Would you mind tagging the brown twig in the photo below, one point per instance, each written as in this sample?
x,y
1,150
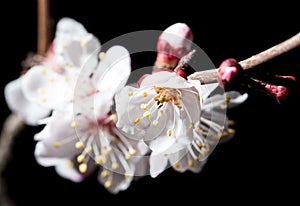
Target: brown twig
x,y
13,124
211,76
42,26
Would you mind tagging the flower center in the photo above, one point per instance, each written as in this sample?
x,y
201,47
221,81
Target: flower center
x,y
167,95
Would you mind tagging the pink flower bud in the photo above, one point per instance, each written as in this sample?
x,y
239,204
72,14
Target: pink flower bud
x,y
229,73
173,43
280,93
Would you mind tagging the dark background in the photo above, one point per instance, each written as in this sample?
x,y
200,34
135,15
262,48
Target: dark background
x,y
258,165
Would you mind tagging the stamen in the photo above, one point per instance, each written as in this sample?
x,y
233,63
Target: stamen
x,y
144,106
130,94
113,117
83,43
69,164
136,120
43,71
80,158
41,90
190,163
73,124
56,144
227,99
146,114
101,55
79,145
104,173
145,94
155,122
107,184
83,167
176,165
169,132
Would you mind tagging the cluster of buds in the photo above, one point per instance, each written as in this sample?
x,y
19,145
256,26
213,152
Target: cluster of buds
x,y
231,76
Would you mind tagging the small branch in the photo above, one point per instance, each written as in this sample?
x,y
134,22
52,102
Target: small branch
x,y
12,126
211,76
43,26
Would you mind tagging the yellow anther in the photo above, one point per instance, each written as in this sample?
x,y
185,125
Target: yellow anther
x,y
136,120
147,114
104,173
176,165
73,124
56,144
83,43
198,96
79,145
196,158
161,112
127,156
144,106
132,151
113,117
190,163
43,71
191,125
155,122
127,174
101,55
114,166
231,131
83,167
130,94
41,90
69,164
223,107
227,99
145,94
169,132
80,158
107,184
231,122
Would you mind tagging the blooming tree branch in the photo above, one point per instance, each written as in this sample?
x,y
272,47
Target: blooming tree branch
x,y
211,76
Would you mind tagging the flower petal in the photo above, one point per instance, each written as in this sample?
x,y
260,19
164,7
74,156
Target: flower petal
x,y
158,163
69,170
29,111
113,71
46,87
165,79
59,144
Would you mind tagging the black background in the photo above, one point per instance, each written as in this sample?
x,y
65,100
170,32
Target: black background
x,y
258,165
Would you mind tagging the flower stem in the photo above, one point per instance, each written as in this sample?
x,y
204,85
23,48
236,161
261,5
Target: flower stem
x,y
43,36
211,76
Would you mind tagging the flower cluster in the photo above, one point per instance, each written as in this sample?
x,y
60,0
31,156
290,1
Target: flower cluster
x,y
94,122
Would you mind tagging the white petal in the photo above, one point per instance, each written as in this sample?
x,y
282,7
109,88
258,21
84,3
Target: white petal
x,y
29,111
68,172
60,141
45,87
118,182
113,71
158,163
82,53
162,144
165,79
69,169
122,100
191,104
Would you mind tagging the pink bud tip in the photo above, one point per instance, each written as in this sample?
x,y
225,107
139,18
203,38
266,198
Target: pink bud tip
x,y
229,73
172,44
280,93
